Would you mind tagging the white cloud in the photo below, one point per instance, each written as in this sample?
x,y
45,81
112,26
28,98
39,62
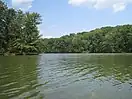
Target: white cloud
x,y
116,5
22,4
119,7
47,36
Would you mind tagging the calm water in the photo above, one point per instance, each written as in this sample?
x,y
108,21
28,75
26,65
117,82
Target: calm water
x,y
66,76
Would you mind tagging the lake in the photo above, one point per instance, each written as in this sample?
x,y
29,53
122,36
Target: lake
x,y
66,76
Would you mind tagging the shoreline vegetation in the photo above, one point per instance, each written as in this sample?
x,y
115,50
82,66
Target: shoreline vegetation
x,y
19,35
108,39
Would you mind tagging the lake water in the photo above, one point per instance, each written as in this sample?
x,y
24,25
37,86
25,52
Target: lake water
x,y
66,76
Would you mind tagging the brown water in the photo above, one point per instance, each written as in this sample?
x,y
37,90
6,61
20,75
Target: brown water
x,y
66,76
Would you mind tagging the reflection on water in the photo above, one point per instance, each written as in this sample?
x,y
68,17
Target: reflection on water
x,y
66,76
18,77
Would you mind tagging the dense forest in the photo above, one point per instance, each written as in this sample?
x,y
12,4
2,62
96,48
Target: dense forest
x,y
19,31
19,34
103,40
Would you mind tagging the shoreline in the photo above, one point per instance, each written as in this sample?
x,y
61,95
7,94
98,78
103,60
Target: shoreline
x,y
32,54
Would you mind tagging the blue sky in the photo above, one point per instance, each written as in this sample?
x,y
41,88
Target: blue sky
x,y
61,17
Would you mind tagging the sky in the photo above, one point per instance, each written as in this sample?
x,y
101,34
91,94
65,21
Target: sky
x,y
62,17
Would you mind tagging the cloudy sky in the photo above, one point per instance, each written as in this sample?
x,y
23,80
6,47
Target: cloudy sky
x,y
62,17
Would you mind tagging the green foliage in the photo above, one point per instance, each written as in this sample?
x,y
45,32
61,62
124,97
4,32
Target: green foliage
x,y
19,34
19,31
104,40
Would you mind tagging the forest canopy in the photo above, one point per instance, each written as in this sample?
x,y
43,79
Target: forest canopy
x,y
116,39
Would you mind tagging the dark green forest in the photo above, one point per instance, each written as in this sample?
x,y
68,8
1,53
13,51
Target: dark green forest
x,y
103,40
19,34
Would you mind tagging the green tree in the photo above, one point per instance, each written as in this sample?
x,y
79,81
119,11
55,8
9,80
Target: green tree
x,y
19,31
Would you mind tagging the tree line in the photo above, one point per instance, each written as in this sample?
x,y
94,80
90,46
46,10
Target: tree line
x,y
19,32
116,39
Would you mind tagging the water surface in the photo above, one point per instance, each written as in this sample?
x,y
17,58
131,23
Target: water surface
x,y
66,76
